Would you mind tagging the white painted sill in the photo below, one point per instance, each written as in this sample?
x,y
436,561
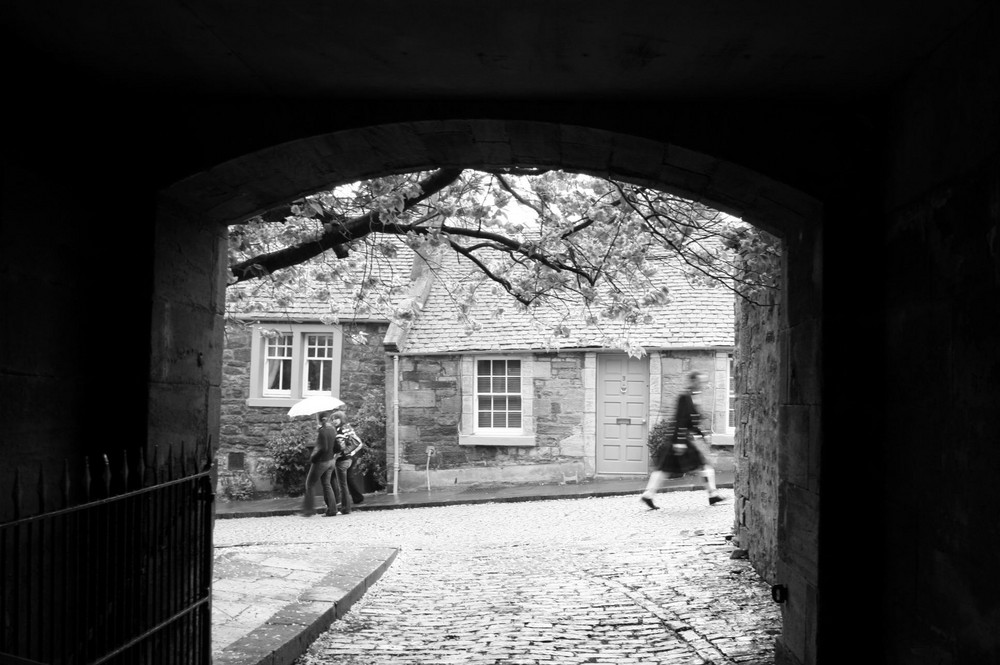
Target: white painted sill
x,y
501,440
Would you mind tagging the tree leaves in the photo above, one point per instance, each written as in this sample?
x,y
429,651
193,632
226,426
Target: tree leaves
x,y
584,246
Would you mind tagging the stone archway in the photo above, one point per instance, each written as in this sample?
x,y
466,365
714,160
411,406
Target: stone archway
x,y
189,277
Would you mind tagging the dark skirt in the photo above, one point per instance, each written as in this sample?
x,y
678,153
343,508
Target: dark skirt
x,y
676,463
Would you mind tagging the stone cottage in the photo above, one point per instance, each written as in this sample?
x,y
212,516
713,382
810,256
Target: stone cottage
x,y
487,399
482,398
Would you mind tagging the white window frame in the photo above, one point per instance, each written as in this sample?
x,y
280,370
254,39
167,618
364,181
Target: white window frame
x,y
287,346
471,433
724,395
519,394
260,395
327,362
731,396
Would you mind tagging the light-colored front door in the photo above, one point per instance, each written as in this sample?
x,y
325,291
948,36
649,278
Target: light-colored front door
x,y
622,414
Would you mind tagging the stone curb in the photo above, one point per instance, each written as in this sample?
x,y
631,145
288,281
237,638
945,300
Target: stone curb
x,y
289,632
468,501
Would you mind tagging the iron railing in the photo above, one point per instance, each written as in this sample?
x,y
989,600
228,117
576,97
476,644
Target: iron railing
x,y
121,579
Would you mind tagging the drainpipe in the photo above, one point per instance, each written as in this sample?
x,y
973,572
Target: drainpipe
x,y
395,424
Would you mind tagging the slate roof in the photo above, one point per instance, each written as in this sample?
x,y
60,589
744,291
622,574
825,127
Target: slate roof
x,y
257,301
695,317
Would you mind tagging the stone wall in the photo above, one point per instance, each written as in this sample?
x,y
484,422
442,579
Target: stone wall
x,y
245,430
756,445
430,416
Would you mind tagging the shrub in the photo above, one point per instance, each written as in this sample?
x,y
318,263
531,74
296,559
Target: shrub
x,y
659,437
369,422
287,458
238,487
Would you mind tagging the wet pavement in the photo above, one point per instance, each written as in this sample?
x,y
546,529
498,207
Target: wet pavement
x,y
587,576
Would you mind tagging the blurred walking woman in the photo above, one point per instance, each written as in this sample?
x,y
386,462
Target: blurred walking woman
x,y
685,454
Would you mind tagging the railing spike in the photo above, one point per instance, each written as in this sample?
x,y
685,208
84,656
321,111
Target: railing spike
x,y
170,462
124,471
16,493
86,480
65,484
106,475
142,467
184,461
156,464
41,488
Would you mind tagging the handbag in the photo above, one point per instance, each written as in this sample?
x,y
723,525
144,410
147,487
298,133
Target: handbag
x,y
682,456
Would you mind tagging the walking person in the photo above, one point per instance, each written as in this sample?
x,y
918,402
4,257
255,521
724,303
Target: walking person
x,y
321,467
685,454
350,444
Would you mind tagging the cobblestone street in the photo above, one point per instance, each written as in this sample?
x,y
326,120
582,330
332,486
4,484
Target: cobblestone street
x,y
597,580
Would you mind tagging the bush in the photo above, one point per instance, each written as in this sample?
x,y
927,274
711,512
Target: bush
x,y
660,437
287,460
238,487
369,422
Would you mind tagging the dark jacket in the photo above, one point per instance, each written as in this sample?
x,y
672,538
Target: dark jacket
x,y
686,425
327,445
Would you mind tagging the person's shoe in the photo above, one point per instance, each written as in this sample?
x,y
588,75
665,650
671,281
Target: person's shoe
x,y
649,502
329,514
357,501
712,500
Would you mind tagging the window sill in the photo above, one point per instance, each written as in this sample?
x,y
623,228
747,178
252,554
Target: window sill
x,y
723,439
284,402
496,440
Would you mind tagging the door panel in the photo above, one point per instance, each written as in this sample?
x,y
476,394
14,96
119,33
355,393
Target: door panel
x,y
622,414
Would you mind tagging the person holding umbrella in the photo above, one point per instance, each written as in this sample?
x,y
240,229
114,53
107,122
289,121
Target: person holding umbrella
x,y
324,453
322,463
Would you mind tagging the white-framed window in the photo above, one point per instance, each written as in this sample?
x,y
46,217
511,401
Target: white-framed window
x,y
731,410
292,361
278,365
724,401
497,407
498,396
318,377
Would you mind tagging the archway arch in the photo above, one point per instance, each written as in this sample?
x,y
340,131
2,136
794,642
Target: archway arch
x,y
189,276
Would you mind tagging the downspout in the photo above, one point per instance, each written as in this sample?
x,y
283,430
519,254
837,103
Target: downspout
x,y
395,424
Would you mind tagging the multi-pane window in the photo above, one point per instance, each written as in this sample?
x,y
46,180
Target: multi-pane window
x,y
278,365
498,394
319,364
731,422
294,361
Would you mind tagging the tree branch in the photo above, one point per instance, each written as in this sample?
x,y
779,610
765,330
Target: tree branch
x,y
337,234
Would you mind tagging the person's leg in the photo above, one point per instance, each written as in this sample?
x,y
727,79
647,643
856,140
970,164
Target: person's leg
x,y
354,483
329,492
345,492
312,477
656,479
708,471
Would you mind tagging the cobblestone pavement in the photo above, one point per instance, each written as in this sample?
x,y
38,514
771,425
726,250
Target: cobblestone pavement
x,y
597,580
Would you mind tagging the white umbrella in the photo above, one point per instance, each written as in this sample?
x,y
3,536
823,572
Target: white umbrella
x,y
313,405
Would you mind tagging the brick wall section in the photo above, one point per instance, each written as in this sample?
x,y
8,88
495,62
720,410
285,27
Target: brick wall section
x,y
756,445
245,429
